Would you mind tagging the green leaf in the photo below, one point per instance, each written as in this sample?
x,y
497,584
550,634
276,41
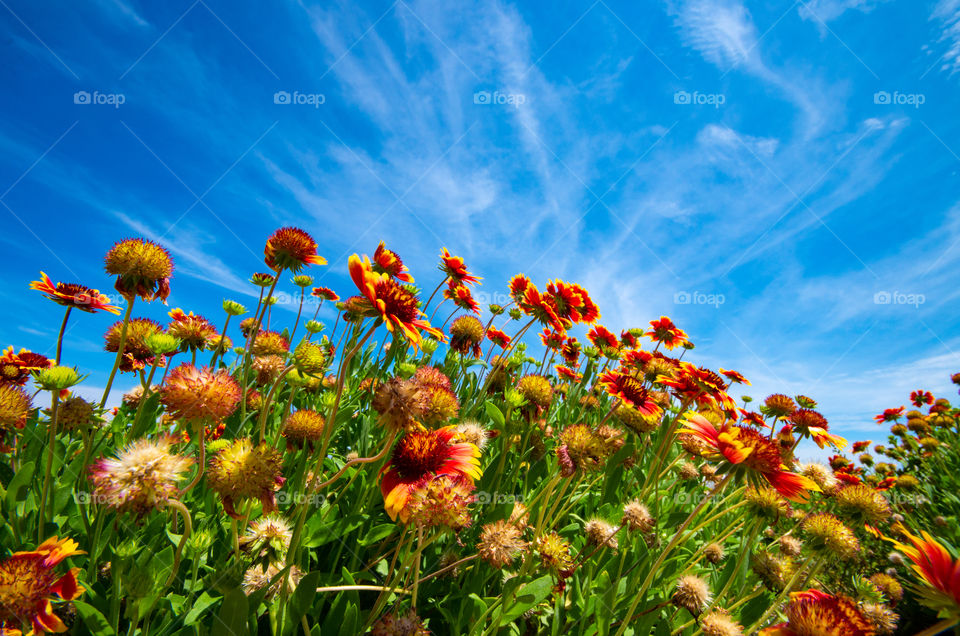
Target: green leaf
x,y
494,413
19,485
146,417
95,622
304,595
528,596
199,606
232,619
606,598
378,533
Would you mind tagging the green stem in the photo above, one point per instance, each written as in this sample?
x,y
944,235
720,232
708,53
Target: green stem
x,y
51,447
63,328
122,343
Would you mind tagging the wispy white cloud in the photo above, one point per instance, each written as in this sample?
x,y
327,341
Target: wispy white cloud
x,y
947,16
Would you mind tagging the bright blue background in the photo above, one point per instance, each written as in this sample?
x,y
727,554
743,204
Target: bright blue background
x,y
797,199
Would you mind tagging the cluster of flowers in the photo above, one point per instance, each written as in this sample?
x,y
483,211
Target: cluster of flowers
x,y
630,488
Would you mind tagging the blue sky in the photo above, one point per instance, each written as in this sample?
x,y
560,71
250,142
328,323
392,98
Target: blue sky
x,y
767,174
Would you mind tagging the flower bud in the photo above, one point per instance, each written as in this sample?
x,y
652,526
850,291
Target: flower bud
x,y
233,308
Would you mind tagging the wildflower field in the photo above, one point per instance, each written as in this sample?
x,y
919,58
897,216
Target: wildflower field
x,y
413,469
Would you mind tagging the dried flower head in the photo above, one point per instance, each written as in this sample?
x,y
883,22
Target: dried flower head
x,y
466,334
142,268
601,533
863,504
143,476
397,624
828,535
258,578
691,593
269,343
15,407
304,428
714,552
244,471
772,570
790,545
267,539
500,543
400,404
200,395
637,517
718,622
76,414
554,552
441,502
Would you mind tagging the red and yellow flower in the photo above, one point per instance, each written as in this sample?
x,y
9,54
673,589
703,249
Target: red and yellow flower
x,y
73,295
325,293
602,338
890,415
666,333
15,368
939,572
28,584
456,269
816,612
392,303
631,391
420,456
387,261
498,337
921,397
572,302
746,448
461,296
291,248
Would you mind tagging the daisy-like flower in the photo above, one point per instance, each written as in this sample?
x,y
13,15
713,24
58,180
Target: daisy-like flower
x,y
540,307
258,577
567,373
602,338
142,268
666,333
387,261
554,552
747,449
630,391
890,415
244,471
195,332
325,293
28,584
15,368
418,457
816,612
921,397
141,477
552,340
810,423
394,304
572,302
734,376
200,395
73,295
461,296
518,287
291,248
498,337
454,267
571,352
466,334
